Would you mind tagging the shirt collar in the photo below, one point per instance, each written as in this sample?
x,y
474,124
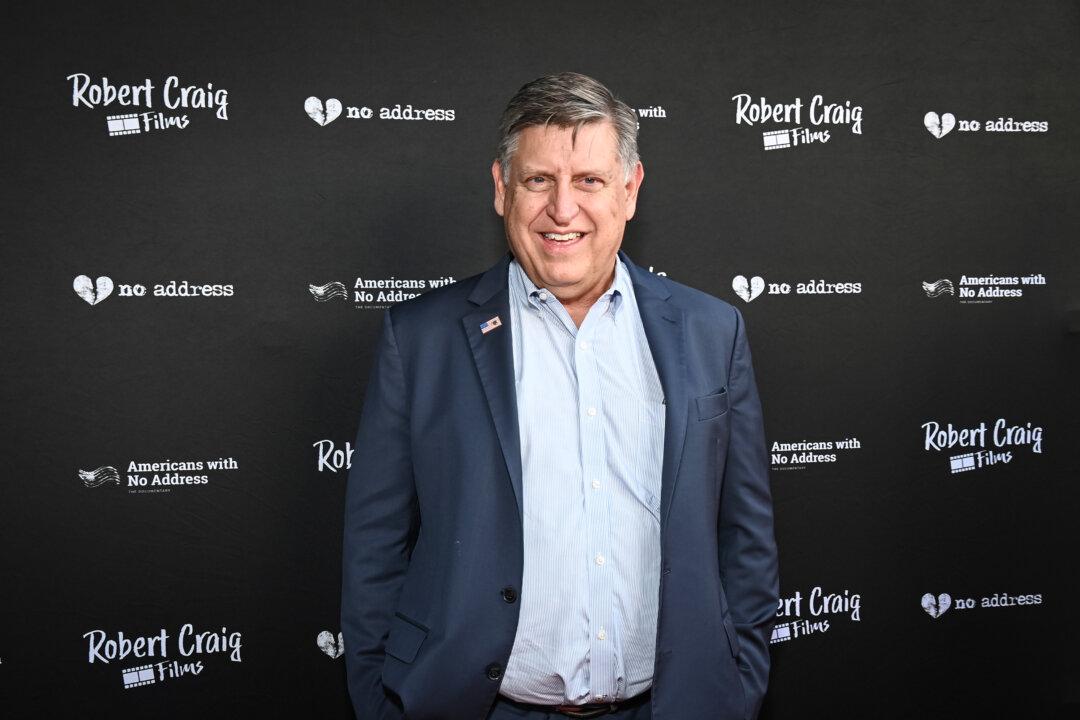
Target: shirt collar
x,y
525,291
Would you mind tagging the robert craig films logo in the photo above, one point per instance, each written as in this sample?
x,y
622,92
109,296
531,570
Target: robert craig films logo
x,y
750,289
94,291
990,445
159,476
324,112
172,95
333,647
376,293
820,607
940,125
823,118
802,454
331,458
182,659
939,604
982,289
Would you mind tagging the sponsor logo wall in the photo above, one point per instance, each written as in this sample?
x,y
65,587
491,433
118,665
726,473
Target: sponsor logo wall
x,y
937,605
941,125
376,293
985,289
990,444
198,199
812,122
750,289
801,615
158,476
170,656
164,106
802,454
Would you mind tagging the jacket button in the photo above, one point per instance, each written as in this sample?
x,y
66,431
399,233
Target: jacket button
x,y
494,671
509,594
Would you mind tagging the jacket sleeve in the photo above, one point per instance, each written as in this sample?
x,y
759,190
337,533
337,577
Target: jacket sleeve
x,y
381,524
748,558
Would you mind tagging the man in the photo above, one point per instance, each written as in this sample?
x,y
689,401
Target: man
x,y
558,504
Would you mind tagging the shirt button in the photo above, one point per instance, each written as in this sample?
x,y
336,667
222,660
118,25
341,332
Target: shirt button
x,y
591,411
599,559
596,484
601,636
543,297
584,344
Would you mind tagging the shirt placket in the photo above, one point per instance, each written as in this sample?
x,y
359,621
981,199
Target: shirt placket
x,y
592,421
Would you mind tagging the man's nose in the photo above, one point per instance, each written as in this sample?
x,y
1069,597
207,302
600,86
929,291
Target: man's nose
x,y
562,207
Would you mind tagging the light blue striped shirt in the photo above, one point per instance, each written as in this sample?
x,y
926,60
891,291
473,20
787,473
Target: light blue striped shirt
x,y
591,419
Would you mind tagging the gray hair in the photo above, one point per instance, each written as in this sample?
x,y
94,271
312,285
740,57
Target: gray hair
x,y
567,100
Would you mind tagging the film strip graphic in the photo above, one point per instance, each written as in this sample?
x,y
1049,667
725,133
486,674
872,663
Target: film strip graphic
x,y
781,633
139,676
962,463
123,124
775,139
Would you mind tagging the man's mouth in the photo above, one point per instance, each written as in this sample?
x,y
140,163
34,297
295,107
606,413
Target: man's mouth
x,y
561,241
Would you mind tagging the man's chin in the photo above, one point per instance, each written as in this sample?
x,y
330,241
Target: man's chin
x,y
556,279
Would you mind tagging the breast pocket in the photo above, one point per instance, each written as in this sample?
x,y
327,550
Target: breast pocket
x,y
713,405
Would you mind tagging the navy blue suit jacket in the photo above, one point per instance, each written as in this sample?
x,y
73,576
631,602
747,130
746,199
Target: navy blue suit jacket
x,y
433,520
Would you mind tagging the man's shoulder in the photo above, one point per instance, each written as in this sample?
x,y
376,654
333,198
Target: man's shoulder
x,y
447,303
697,304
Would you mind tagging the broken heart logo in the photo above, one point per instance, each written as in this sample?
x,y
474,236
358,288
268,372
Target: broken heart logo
x,y
748,289
333,647
94,291
322,113
935,607
939,126
90,291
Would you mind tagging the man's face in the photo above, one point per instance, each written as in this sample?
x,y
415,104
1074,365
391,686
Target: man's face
x,y
565,205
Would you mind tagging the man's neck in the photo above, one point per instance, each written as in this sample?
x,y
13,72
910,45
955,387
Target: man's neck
x,y
578,306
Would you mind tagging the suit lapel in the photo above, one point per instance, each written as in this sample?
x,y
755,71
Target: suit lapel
x,y
493,353
664,328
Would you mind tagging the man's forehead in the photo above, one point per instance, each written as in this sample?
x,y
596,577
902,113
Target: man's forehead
x,y
592,143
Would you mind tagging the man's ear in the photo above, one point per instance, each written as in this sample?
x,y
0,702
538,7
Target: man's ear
x,y
637,176
500,187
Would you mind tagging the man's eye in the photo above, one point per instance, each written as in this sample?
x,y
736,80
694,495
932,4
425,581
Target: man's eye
x,y
536,181
591,181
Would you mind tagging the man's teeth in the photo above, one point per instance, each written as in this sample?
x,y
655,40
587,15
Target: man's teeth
x,y
562,236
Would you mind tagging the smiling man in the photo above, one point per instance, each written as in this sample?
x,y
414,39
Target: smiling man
x,y
559,503
565,201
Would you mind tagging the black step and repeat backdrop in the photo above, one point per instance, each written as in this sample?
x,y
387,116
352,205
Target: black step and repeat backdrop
x,y
206,207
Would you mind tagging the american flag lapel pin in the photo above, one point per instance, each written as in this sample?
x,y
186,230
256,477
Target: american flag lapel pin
x,y
486,327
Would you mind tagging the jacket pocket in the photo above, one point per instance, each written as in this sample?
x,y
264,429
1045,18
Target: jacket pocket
x,y
710,406
729,626
406,636
732,636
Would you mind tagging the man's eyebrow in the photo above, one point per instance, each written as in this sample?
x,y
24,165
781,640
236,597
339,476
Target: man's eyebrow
x,y
529,171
